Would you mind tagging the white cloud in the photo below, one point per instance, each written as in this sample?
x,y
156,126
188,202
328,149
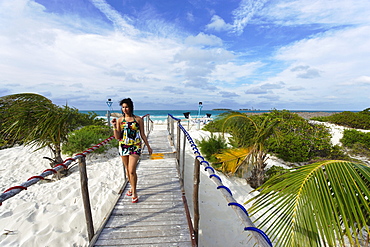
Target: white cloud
x,y
245,12
270,97
256,90
306,72
218,24
295,88
203,39
120,22
226,94
173,90
232,72
358,81
336,64
190,17
276,85
69,57
39,51
293,12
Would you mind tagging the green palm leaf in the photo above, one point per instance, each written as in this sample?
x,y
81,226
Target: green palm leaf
x,y
262,129
32,119
232,159
320,204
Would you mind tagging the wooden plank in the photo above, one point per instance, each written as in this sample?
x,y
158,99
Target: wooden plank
x,y
116,223
164,241
141,232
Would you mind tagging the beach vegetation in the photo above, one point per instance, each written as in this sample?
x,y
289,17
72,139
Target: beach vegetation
x,y
320,204
229,160
275,171
212,146
33,120
250,134
300,141
283,134
357,120
356,142
81,139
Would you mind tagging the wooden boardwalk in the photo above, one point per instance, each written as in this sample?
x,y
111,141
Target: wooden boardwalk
x,y
159,218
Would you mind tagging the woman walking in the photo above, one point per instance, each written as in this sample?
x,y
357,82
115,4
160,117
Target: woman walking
x,y
129,131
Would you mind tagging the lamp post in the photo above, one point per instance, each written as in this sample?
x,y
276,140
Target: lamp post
x,y
200,106
109,104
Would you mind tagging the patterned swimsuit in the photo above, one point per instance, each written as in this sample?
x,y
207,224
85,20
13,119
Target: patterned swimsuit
x,y
131,140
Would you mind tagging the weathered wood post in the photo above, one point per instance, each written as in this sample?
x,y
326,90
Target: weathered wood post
x,y
178,149
178,142
168,123
85,197
196,198
183,155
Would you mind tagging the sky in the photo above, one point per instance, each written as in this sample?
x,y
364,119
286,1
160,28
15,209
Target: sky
x,y
235,54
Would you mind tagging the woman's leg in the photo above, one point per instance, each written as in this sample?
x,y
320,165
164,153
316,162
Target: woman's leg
x,y
125,164
131,169
125,167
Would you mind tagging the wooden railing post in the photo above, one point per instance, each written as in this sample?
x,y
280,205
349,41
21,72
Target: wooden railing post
x,y
172,127
196,198
178,143
183,155
168,123
85,197
180,161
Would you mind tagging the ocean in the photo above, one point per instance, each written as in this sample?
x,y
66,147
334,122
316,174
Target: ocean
x,y
161,115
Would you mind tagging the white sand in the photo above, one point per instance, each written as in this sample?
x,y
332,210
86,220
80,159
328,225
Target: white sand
x,y
51,214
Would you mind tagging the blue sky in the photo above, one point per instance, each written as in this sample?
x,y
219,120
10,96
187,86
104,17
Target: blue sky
x,y
260,54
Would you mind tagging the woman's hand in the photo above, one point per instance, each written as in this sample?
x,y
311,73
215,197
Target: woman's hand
x,y
150,150
114,123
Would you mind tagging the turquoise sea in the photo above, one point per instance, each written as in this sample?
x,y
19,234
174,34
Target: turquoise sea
x,y
161,115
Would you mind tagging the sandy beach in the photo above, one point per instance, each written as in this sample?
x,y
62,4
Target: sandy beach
x,y
51,213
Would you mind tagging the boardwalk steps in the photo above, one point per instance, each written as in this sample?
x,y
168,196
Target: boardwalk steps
x,y
159,219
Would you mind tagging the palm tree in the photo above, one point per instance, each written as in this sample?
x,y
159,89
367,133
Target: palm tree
x,y
320,204
254,158
34,120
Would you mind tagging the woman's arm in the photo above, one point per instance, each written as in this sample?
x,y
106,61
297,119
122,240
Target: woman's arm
x,y
117,128
142,134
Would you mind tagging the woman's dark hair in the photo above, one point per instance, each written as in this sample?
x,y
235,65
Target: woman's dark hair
x,y
129,103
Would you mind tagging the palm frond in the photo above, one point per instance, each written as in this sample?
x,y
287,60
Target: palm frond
x,y
317,204
232,159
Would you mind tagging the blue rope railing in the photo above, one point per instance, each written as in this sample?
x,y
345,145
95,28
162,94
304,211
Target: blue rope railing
x,y
224,189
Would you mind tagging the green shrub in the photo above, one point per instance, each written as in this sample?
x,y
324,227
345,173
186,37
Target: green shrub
x,y
358,142
295,139
359,149
320,119
300,141
352,137
211,146
358,120
275,171
86,137
336,153
217,124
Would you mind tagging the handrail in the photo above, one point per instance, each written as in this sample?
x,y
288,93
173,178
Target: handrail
x,y
148,123
242,213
